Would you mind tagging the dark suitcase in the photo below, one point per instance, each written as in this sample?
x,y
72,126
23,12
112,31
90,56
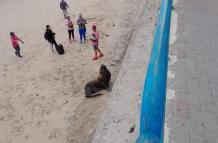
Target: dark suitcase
x,y
60,49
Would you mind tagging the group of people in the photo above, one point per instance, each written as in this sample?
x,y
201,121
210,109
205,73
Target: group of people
x,y
50,35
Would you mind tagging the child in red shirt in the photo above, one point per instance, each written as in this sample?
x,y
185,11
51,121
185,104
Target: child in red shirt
x,y
94,40
15,44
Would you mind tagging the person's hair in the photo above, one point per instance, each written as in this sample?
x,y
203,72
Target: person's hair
x,y
12,33
47,26
93,27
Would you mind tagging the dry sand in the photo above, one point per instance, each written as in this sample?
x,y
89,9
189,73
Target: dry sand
x,y
41,95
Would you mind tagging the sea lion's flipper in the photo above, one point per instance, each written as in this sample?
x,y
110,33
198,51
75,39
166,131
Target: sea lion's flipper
x,y
88,89
94,95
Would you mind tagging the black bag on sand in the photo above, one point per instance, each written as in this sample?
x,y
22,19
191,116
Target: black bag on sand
x,y
60,49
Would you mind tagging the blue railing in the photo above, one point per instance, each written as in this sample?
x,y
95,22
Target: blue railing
x,y
154,94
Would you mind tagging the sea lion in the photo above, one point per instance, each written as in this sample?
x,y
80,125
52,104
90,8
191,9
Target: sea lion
x,y
102,82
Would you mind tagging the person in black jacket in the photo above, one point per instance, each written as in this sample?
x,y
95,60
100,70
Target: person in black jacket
x,y
50,36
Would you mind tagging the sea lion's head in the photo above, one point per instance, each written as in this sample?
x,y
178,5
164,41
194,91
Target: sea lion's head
x,y
105,73
103,67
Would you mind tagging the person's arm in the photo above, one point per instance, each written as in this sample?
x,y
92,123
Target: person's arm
x,y
45,36
20,40
93,38
85,22
78,22
97,36
66,5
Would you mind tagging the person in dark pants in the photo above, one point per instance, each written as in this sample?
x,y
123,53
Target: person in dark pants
x,y
15,44
81,22
64,6
70,28
50,37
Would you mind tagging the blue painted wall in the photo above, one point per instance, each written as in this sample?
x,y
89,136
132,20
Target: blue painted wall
x,y
154,94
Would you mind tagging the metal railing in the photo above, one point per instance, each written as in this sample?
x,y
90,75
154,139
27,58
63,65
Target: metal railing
x,y
154,94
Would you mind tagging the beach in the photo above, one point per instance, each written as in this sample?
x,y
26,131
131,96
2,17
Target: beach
x,y
42,96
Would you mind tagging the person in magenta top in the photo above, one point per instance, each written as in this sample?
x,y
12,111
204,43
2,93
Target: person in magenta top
x,y
70,28
94,40
15,44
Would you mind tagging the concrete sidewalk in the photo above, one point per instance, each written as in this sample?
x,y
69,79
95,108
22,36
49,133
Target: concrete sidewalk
x,y
192,99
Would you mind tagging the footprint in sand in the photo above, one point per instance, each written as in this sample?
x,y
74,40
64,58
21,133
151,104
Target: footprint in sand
x,y
26,137
34,84
35,87
41,123
54,134
2,118
5,65
5,75
33,79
